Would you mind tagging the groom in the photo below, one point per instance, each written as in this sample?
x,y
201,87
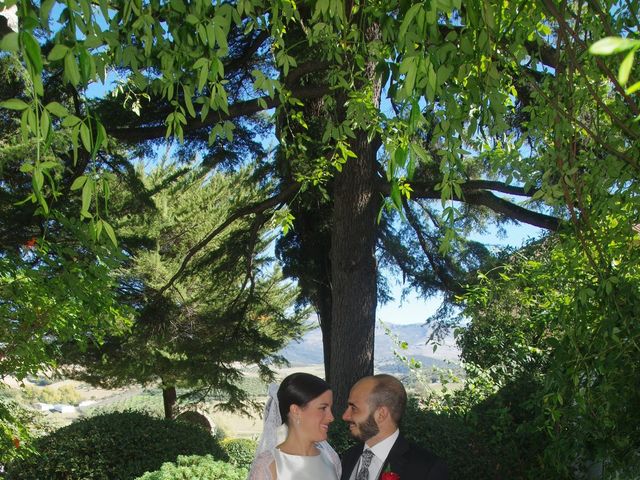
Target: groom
x,y
376,405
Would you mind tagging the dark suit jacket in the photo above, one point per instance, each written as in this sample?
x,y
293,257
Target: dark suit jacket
x,y
406,459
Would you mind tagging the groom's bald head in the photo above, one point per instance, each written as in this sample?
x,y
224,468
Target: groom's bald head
x,y
388,391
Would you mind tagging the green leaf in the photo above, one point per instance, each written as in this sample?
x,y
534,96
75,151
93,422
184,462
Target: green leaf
x,y
110,233
70,121
10,42
14,104
48,165
204,73
26,167
38,179
99,139
87,193
57,109
32,49
400,157
221,37
187,100
58,52
71,71
396,196
191,19
633,88
625,68
408,18
45,123
611,45
45,10
79,182
178,6
85,136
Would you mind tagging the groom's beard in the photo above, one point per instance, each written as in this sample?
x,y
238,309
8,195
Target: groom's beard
x,y
367,429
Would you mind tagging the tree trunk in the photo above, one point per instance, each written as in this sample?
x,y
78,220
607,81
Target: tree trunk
x,y
324,317
169,398
354,289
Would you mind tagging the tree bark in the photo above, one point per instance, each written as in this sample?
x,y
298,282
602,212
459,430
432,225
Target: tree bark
x,y
354,273
169,398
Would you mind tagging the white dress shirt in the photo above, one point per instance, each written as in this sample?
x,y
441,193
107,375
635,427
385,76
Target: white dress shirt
x,y
380,453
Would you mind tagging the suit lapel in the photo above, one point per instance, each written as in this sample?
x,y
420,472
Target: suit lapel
x,y
396,455
350,461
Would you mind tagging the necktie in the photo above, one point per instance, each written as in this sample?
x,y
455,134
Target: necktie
x,y
363,473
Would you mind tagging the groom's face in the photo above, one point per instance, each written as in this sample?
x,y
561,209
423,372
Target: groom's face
x,y
359,415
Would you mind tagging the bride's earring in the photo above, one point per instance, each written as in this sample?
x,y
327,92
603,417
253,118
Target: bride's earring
x,y
297,421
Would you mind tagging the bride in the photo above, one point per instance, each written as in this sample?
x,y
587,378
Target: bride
x,y
302,406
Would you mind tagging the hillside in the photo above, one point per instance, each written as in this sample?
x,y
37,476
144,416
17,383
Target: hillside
x,y
308,351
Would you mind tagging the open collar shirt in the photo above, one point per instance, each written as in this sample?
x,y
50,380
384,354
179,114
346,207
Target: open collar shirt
x,y
380,453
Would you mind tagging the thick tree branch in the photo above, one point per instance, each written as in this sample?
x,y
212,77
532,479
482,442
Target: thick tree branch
x,y
283,196
472,194
241,59
498,187
305,69
249,107
511,210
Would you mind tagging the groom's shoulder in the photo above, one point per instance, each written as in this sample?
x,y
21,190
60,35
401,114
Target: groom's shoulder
x,y
425,460
420,453
354,448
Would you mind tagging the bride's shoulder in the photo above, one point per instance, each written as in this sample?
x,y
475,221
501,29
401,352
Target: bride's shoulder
x,y
327,449
266,456
324,446
263,467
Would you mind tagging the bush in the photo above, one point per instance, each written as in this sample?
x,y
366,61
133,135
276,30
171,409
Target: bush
x,y
14,431
195,468
452,439
240,451
115,446
448,436
339,436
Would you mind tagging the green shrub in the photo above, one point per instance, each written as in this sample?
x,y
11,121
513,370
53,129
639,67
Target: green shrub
x,y
240,451
339,436
451,439
15,435
115,446
197,468
448,436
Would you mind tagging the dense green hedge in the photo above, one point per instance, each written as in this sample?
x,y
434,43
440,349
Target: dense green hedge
x,y
197,468
114,446
239,450
469,451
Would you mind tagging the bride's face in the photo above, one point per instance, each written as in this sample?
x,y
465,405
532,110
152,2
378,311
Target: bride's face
x,y
316,416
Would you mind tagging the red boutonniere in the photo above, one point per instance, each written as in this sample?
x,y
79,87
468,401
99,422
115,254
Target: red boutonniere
x,y
30,244
389,475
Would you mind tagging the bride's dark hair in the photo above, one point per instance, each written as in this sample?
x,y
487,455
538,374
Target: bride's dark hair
x,y
299,389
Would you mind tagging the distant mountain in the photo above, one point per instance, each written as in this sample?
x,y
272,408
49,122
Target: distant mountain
x,y
308,351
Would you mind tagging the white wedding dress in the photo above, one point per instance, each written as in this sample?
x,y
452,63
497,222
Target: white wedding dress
x,y
325,466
